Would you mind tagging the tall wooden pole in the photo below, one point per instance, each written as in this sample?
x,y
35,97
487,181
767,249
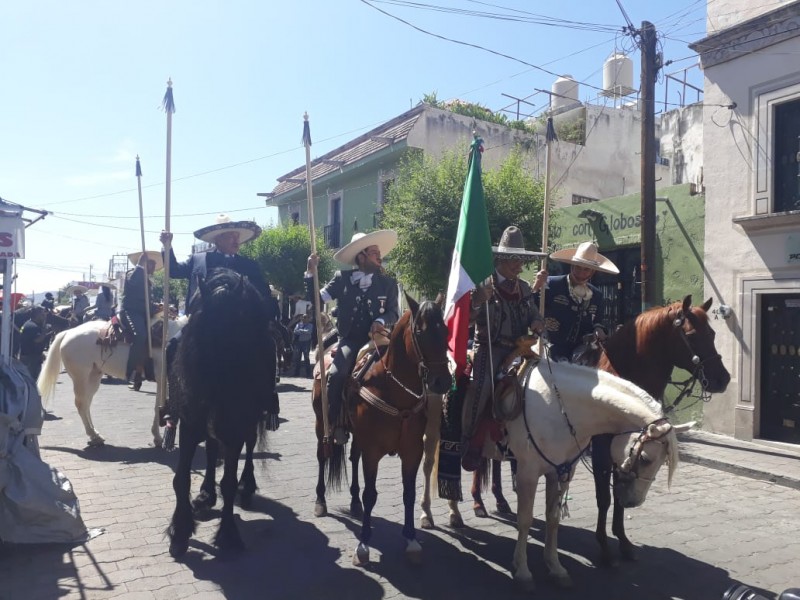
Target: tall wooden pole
x,y
648,175
315,274
551,137
169,108
144,253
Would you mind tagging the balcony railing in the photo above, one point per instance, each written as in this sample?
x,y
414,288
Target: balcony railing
x,y
331,233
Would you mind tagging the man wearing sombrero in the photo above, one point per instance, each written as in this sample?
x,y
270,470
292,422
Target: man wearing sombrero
x,y
80,303
227,236
366,302
503,310
134,312
573,306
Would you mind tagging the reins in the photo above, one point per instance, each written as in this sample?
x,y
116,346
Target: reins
x,y
423,370
698,375
564,469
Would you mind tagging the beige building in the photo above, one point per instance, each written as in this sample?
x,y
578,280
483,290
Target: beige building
x,y
751,136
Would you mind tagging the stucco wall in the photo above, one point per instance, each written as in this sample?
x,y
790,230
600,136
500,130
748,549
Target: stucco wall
x,y
734,256
725,13
681,141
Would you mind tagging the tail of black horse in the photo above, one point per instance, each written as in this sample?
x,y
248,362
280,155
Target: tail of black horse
x,y
336,473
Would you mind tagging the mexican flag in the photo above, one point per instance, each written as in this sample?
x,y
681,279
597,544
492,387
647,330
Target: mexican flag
x,y
472,259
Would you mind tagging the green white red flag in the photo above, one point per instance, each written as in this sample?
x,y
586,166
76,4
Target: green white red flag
x,y
472,259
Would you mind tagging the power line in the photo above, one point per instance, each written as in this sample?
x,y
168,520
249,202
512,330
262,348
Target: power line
x,y
469,44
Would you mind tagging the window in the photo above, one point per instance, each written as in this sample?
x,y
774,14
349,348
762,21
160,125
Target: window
x,y
578,199
786,151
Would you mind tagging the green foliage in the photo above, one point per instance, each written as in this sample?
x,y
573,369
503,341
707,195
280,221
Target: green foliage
x,y
424,207
282,253
573,131
476,111
177,288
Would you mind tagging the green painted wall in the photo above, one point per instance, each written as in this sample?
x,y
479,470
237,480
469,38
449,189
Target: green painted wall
x,y
678,269
359,187
680,219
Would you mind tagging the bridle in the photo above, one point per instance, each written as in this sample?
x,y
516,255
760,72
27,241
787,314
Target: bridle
x,y
423,371
627,472
698,373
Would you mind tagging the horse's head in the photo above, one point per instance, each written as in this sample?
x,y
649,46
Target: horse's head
x,y
638,456
694,350
426,339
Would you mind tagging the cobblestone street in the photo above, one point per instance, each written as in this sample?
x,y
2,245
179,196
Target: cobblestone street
x,y
710,529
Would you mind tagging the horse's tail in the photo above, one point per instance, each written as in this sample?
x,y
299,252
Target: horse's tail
x,y
51,368
337,468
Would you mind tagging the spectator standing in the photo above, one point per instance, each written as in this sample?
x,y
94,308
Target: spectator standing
x,y
33,340
302,345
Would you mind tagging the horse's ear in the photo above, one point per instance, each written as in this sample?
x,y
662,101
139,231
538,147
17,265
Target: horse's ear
x,y
201,285
412,304
707,304
240,286
687,304
440,298
684,427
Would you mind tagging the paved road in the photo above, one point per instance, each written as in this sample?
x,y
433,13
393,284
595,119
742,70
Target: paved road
x,y
711,528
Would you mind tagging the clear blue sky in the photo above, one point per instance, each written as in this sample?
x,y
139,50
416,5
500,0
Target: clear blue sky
x,y
83,83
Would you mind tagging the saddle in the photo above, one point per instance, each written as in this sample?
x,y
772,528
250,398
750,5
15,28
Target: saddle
x,y
117,331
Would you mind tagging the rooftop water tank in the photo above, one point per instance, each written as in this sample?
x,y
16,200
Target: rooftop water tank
x,y
566,92
618,76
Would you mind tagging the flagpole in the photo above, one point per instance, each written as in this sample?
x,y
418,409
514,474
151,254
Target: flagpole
x,y
169,107
315,274
550,138
144,253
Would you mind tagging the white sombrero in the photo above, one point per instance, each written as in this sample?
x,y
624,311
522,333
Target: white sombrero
x,y
247,229
384,239
585,255
153,255
76,288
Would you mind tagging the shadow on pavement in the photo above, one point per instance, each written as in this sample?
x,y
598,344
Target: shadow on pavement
x,y
659,573
285,558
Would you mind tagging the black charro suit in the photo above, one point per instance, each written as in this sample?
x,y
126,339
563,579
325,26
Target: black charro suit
x,y
357,310
198,264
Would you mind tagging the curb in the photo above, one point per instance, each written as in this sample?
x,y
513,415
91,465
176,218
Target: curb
x,y
691,457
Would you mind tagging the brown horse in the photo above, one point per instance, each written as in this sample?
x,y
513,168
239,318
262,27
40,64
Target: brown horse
x,y
645,351
387,415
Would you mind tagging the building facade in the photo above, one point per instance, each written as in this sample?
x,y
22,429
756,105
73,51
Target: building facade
x,y
751,135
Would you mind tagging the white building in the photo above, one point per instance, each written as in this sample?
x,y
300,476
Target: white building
x,y
751,136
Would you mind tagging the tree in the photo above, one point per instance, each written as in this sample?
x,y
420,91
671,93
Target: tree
x,y
282,253
177,288
424,204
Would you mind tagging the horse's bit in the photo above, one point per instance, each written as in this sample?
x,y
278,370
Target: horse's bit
x,y
627,471
698,375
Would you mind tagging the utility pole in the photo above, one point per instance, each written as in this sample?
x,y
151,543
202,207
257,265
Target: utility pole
x,y
650,68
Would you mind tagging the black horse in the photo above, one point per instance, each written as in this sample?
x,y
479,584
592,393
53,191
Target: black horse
x,y
222,376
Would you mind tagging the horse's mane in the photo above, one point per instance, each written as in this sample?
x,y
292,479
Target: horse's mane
x,y
623,394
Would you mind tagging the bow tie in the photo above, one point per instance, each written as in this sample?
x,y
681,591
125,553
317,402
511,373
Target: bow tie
x,y
362,279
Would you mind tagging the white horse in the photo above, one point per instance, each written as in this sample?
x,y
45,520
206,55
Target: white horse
x,y
86,361
564,406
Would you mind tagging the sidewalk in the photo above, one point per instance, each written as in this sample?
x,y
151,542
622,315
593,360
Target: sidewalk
x,y
767,461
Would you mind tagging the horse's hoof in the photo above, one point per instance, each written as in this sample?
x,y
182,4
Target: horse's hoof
x,y
178,548
480,511
356,509
456,522
628,552
503,507
526,584
158,441
204,501
96,442
426,522
361,555
607,560
563,581
320,509
414,552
